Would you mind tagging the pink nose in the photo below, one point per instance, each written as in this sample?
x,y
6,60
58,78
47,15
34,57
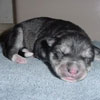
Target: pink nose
x,y
73,71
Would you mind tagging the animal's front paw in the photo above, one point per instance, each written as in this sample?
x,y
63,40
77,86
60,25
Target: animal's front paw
x,y
19,59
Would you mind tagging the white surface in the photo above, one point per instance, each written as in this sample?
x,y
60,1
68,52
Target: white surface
x,y
85,13
6,14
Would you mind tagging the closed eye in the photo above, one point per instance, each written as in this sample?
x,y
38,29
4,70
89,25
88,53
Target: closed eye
x,y
64,53
67,55
87,59
58,54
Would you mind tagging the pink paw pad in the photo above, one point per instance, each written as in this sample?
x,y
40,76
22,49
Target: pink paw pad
x,y
18,59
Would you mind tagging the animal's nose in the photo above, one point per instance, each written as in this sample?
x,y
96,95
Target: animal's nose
x,y
73,70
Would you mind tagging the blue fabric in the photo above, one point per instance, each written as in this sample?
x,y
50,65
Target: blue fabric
x,y
34,81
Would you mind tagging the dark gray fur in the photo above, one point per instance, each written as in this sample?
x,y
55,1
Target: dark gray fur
x,y
47,36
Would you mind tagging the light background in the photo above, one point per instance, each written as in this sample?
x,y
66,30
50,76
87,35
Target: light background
x,y
85,13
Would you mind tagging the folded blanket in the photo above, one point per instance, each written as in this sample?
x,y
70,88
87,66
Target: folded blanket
x,y
34,81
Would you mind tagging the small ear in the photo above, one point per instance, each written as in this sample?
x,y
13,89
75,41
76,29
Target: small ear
x,y
97,53
41,48
50,41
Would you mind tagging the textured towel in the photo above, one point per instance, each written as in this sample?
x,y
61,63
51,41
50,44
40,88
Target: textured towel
x,y
34,81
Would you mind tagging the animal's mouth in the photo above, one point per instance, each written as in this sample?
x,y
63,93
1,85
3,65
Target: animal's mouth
x,y
71,77
74,79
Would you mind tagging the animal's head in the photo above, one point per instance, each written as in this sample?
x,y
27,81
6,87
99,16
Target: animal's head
x,y
70,56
